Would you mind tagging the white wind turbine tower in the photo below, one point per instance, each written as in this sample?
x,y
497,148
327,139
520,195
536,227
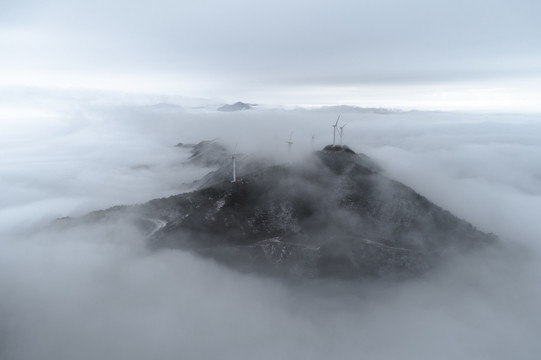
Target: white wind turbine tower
x,y
233,160
289,143
334,131
341,131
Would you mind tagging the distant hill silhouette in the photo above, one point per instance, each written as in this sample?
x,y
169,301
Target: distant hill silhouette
x,y
238,106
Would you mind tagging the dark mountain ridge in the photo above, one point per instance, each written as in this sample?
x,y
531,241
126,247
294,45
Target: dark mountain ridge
x,y
333,215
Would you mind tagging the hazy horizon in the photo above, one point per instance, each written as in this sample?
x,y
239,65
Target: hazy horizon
x,y
462,55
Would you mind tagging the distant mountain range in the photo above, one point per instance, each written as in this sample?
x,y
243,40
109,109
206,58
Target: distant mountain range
x,y
358,109
332,215
241,106
238,106
164,106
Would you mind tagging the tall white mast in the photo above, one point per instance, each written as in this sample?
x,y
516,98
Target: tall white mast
x,y
334,131
342,132
289,143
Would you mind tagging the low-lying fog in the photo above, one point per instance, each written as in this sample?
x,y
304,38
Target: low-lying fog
x,y
97,293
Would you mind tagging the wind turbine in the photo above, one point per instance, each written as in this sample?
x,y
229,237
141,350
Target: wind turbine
x,y
313,140
233,160
334,131
342,132
289,143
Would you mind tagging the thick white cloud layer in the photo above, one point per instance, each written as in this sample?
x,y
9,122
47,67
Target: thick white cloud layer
x,y
88,292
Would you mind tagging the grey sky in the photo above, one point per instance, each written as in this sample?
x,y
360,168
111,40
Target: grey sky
x,y
242,46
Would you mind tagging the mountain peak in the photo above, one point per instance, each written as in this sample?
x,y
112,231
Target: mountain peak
x,y
332,215
238,106
339,148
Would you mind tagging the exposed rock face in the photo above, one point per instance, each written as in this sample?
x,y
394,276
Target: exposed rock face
x,y
238,106
334,215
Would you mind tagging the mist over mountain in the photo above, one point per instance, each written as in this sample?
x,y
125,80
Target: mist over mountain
x,y
332,215
207,153
92,287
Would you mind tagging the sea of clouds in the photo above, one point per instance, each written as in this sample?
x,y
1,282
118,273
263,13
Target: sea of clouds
x,y
96,292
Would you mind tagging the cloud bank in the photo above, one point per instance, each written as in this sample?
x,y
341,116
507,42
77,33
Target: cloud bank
x,y
89,292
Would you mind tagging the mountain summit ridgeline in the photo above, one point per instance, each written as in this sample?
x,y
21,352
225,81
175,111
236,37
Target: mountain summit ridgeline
x,y
333,215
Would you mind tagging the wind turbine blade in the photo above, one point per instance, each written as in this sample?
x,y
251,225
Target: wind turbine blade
x,y
337,120
290,136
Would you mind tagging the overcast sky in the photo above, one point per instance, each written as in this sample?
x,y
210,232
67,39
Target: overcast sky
x,y
476,54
